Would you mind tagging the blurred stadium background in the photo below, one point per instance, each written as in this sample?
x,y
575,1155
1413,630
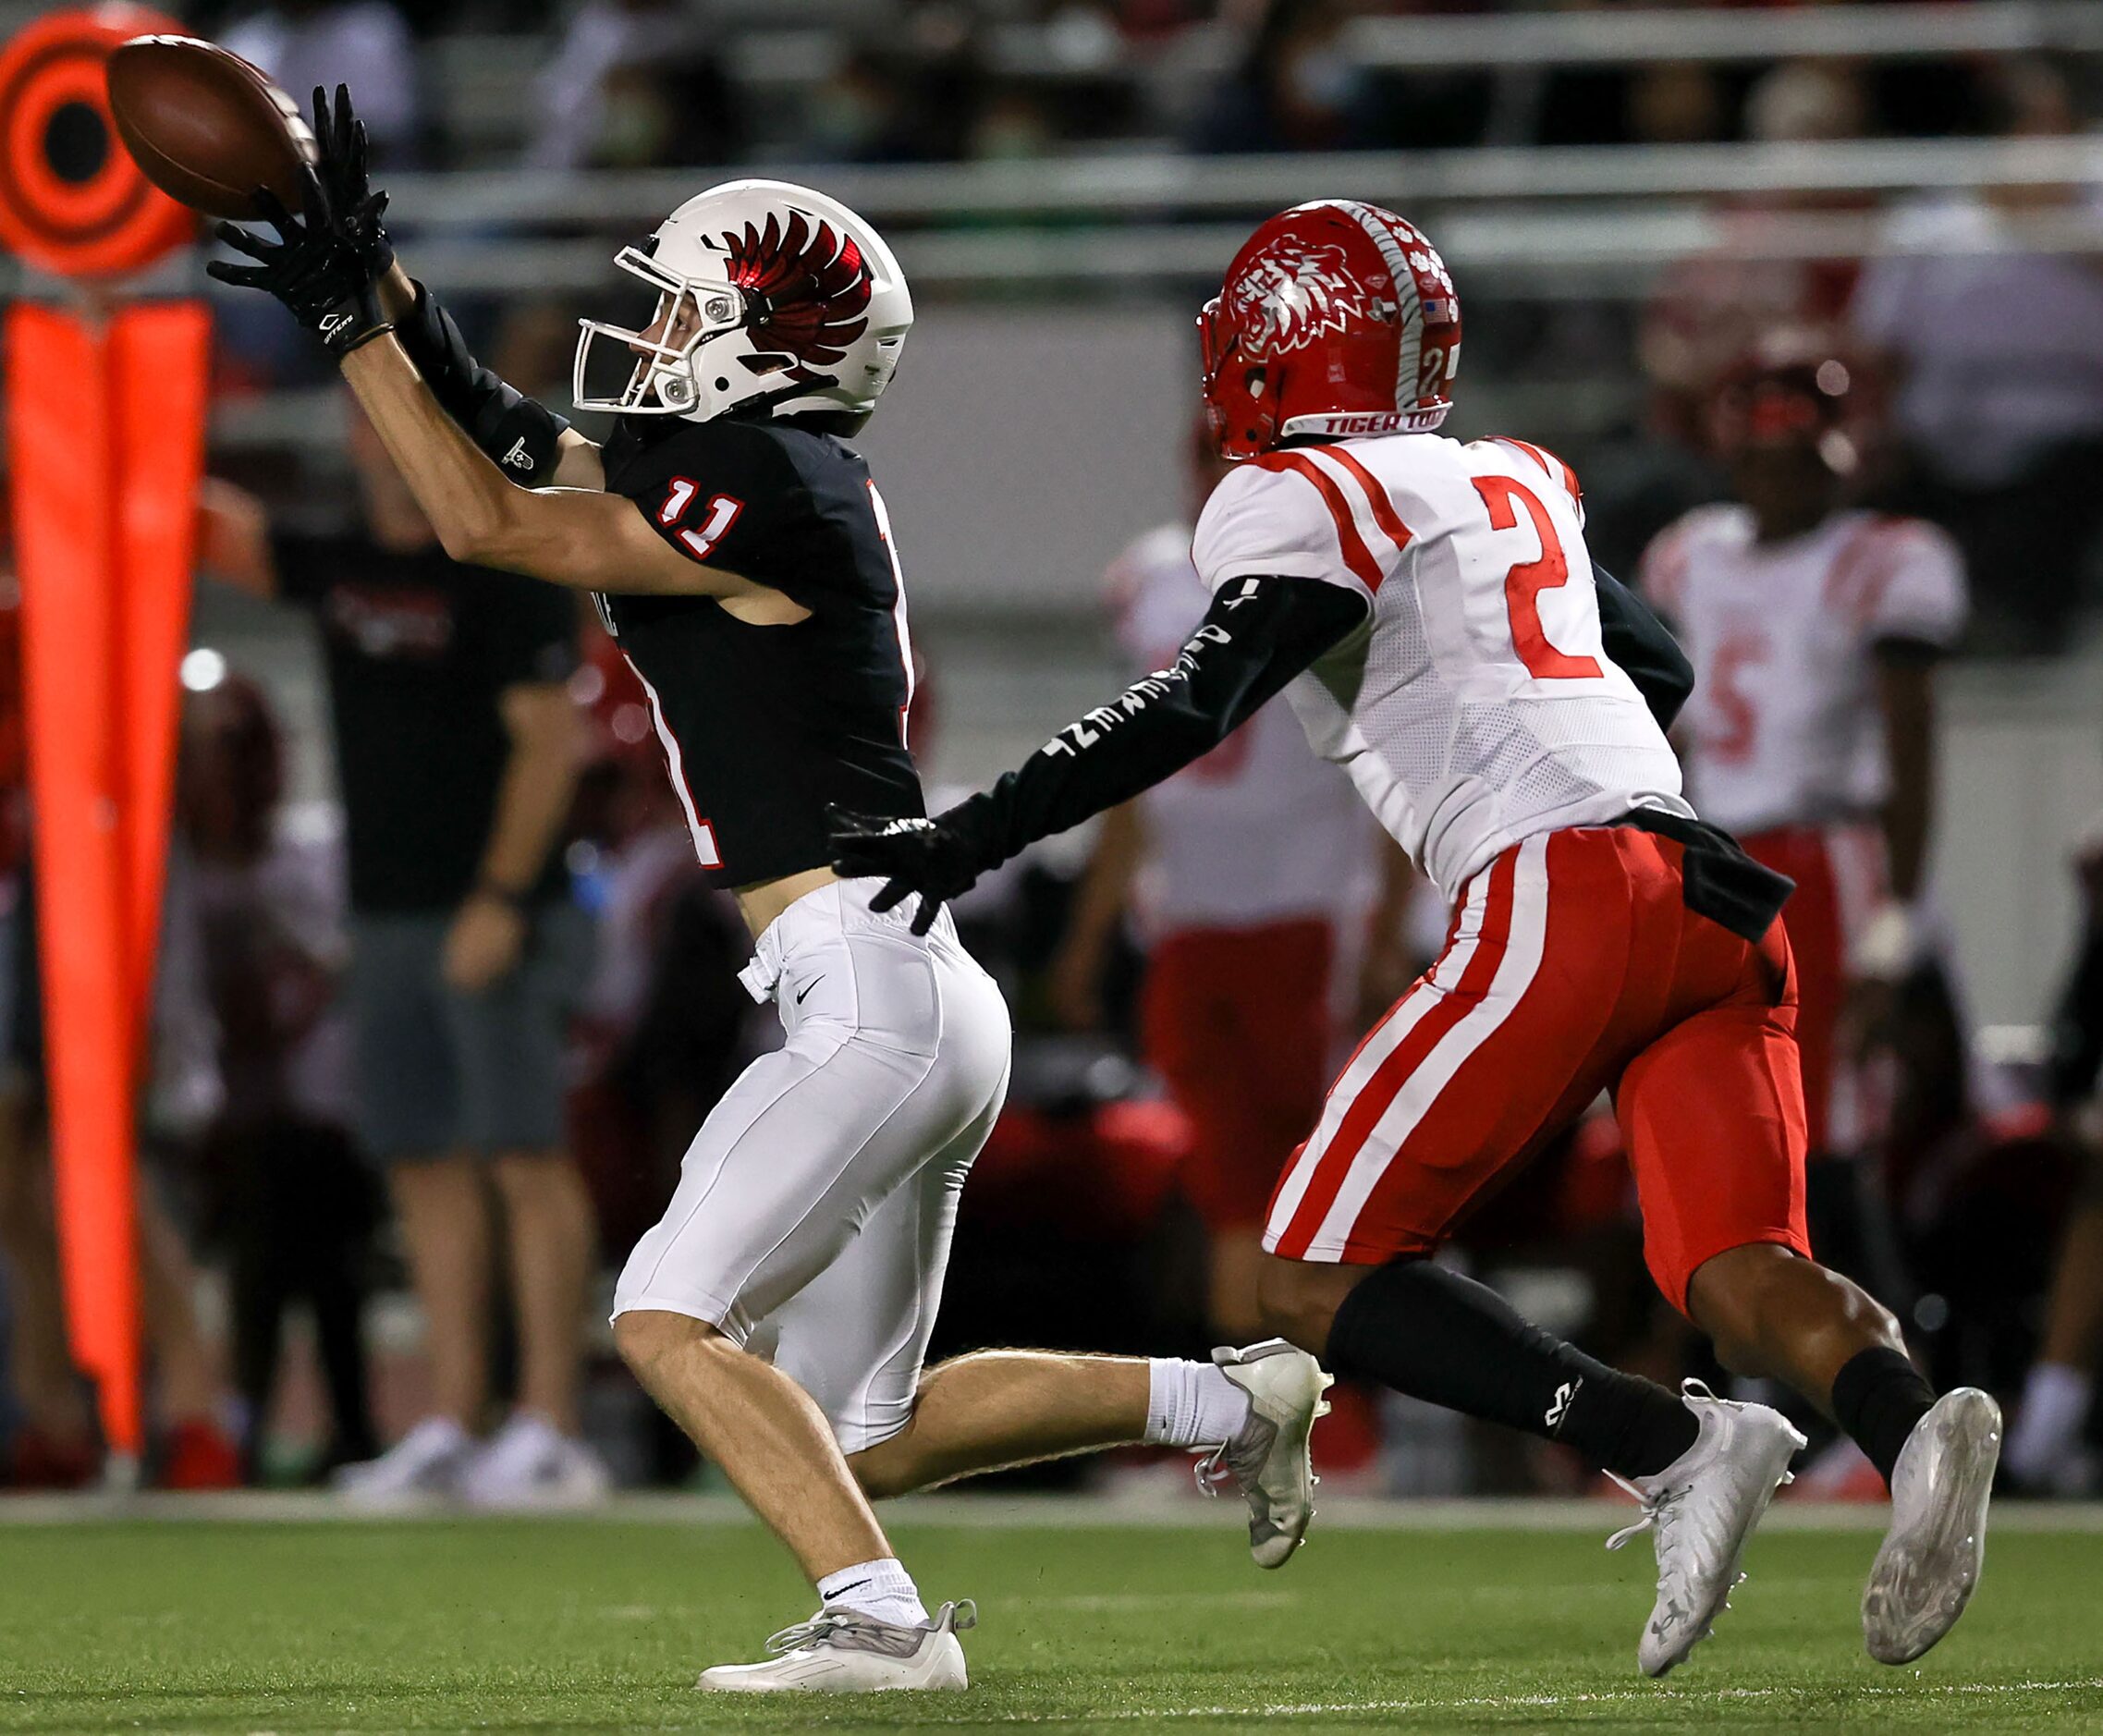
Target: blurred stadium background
x,y
1626,194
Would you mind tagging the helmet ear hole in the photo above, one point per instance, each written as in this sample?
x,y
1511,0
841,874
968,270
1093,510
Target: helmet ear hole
x,y
1252,382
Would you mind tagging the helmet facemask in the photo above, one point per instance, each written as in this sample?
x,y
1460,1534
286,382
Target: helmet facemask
x,y
690,313
1243,423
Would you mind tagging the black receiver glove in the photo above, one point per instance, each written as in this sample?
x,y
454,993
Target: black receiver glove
x,y
1258,634
1636,639
341,149
310,268
516,434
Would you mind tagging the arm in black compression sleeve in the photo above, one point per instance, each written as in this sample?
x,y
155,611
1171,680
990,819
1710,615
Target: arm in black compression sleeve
x,y
1258,634
513,431
1636,639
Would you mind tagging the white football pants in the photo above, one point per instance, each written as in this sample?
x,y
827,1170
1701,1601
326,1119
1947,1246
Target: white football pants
x,y
813,1218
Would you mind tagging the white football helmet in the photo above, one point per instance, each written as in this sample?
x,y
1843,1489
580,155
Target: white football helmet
x,y
765,291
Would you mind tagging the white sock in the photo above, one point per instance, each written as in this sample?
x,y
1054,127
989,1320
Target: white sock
x,y
1191,1404
882,1590
2055,1405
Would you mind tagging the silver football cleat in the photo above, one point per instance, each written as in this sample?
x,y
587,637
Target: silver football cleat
x,y
1700,1510
1269,1461
1929,1563
838,1651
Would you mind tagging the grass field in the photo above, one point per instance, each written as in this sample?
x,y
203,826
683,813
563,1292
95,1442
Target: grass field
x,y
602,1624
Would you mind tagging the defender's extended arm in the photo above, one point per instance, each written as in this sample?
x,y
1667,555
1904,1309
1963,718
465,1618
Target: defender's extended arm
x,y
1258,634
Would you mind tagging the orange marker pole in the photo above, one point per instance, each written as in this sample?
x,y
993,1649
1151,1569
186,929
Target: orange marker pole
x,y
61,438
160,355
105,417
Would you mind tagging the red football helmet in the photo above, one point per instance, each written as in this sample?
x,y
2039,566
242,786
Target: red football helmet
x,y
1336,318
1792,387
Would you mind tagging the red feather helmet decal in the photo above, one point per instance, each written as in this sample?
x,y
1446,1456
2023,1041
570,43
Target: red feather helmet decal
x,y
807,292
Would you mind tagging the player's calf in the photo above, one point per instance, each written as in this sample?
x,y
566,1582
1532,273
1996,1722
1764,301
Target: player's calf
x,y
1772,1312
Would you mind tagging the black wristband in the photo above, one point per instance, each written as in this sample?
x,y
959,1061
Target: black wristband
x,y
488,888
353,323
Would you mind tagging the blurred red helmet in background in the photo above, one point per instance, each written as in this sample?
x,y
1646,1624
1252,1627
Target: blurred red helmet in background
x,y
1336,318
1794,386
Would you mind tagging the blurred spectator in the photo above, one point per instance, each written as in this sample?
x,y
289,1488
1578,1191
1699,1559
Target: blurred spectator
x,y
860,114
1293,87
363,43
2043,1449
456,755
635,85
1709,311
287,1194
1997,354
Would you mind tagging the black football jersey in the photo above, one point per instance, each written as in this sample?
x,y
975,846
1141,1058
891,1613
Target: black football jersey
x,y
763,726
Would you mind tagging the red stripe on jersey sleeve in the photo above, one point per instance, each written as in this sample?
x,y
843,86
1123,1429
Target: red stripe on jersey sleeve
x,y
1356,556
1554,467
1377,497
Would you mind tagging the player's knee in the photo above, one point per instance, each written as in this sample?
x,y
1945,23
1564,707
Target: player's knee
x,y
887,1469
649,1338
1295,1302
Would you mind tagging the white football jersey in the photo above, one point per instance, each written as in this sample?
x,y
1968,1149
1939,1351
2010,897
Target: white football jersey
x,y
1477,706
1256,831
1783,729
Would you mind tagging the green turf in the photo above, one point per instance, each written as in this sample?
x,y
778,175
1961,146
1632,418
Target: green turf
x,y
510,1626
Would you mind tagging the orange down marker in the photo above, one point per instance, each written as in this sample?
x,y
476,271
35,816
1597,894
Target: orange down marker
x,y
106,434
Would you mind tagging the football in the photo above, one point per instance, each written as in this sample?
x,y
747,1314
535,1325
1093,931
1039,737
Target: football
x,y
205,127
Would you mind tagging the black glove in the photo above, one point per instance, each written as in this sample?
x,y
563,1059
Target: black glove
x,y
310,268
341,166
939,859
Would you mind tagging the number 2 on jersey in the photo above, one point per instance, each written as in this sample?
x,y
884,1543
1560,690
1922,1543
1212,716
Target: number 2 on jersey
x,y
1527,579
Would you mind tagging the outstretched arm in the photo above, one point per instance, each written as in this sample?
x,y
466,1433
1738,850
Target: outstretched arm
x,y
1258,634
570,536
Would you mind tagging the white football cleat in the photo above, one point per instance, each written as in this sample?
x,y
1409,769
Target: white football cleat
x,y
842,1651
531,1464
424,1465
1700,1510
1929,1563
1268,1459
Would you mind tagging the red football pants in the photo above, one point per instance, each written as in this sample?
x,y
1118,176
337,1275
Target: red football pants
x,y
1573,967
1236,1022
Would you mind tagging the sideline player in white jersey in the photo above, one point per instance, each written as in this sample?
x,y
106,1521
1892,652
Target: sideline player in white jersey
x,y
1445,638
1246,872
1814,630
780,1311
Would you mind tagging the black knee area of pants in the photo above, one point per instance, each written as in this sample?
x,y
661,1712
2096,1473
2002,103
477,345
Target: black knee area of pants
x,y
1878,1397
1438,1336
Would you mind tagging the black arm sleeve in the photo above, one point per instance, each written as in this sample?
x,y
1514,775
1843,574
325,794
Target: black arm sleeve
x,y
1258,634
516,434
1636,639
